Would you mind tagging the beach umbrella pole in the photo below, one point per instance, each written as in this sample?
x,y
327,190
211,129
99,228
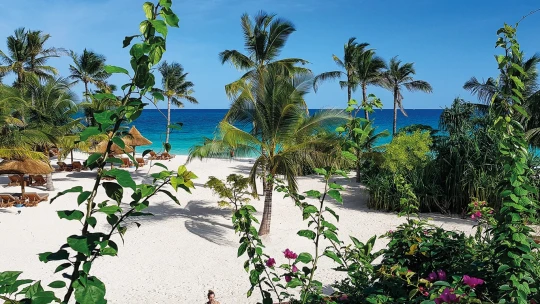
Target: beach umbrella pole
x,y
22,184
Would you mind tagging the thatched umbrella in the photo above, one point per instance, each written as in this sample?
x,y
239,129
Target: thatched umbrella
x,y
115,149
25,166
134,139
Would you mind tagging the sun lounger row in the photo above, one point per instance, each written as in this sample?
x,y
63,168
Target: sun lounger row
x,y
29,199
75,166
162,156
35,180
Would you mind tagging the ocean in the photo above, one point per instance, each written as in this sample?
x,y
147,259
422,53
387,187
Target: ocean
x,y
201,123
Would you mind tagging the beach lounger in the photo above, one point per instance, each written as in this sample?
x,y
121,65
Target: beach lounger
x,y
126,163
153,155
166,155
32,199
77,166
62,166
15,180
8,200
141,161
38,180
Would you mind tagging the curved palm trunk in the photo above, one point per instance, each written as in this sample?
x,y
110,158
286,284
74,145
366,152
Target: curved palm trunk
x,y
49,185
267,211
394,131
364,96
168,118
358,155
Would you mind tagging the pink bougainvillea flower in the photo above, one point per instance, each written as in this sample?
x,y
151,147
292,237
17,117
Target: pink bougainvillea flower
x,y
447,297
294,268
441,275
288,278
270,262
343,297
472,282
432,277
289,254
390,231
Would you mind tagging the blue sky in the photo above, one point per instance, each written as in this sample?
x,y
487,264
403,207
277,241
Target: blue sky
x,y
449,41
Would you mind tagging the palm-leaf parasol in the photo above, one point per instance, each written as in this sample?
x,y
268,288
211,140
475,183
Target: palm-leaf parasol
x,y
24,166
134,139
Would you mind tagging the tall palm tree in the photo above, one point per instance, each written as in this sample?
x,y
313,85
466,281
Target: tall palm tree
x,y
88,68
369,71
265,37
351,51
176,88
27,55
288,135
400,76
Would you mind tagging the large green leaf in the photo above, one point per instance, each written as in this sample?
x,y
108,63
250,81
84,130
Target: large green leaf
x,y
304,257
307,234
122,177
70,214
114,191
93,292
79,244
111,69
160,26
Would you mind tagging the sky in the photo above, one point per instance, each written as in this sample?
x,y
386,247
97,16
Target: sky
x,y
447,40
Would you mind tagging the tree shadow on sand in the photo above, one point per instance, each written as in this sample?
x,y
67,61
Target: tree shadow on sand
x,y
202,218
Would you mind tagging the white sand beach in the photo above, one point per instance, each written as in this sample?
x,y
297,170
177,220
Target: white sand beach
x,y
182,251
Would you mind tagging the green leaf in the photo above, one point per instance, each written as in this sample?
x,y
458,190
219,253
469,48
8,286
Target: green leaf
x,y
57,284
70,215
92,221
160,26
101,96
62,267
122,177
156,53
109,209
335,194
165,3
93,158
328,225
313,193
170,17
113,191
304,257
295,282
91,293
148,8
79,244
53,256
111,69
307,234
333,256
310,209
242,249
442,283
90,131
119,142
83,197
335,186
127,40
332,212
340,129
331,235
173,197
348,155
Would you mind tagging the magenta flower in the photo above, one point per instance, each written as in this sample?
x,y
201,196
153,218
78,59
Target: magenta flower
x,y
432,277
343,297
288,278
294,268
270,262
472,282
441,274
447,297
290,255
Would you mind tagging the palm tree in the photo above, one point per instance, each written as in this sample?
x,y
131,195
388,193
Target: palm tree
x,y
284,136
89,67
351,51
175,88
369,71
265,37
27,55
401,75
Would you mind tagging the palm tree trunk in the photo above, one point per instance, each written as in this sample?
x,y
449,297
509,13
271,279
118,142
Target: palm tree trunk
x,y
364,96
394,130
267,211
86,91
168,118
71,155
49,186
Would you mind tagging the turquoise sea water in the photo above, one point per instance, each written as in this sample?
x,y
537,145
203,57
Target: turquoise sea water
x,y
198,124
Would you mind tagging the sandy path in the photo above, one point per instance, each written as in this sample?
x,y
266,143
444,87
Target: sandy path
x,y
183,251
